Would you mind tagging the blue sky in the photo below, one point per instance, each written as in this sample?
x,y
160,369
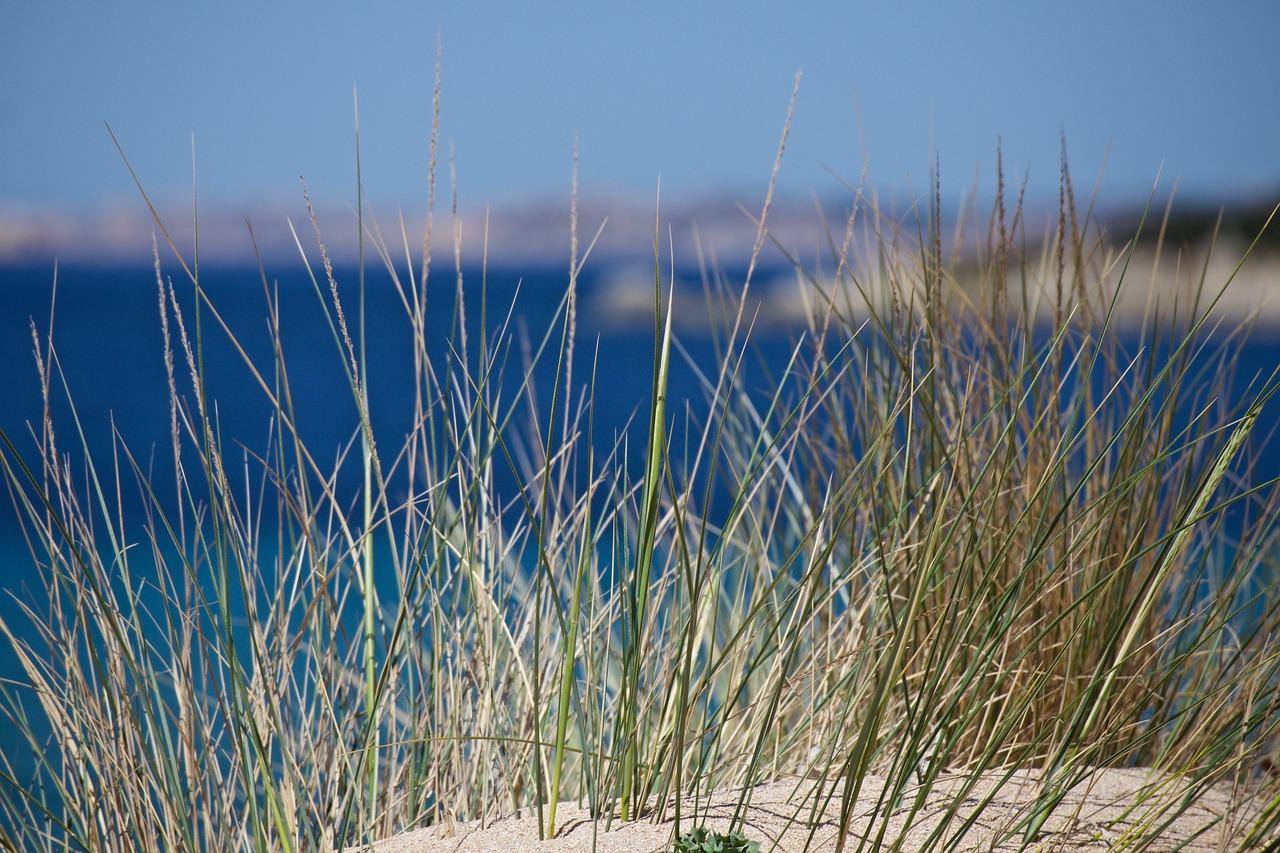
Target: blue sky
x,y
695,92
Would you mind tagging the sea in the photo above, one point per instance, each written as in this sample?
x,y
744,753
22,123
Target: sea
x,y
108,372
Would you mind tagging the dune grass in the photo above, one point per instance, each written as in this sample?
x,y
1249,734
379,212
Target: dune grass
x,y
946,535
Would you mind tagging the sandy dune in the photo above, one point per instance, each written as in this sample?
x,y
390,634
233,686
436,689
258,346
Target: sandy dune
x,y
1105,811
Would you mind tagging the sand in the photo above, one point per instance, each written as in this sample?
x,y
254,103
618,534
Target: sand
x,y
1103,812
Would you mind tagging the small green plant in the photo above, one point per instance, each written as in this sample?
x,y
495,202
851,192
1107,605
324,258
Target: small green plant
x,y
701,840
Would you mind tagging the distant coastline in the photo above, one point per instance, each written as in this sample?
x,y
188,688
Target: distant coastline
x,y
619,230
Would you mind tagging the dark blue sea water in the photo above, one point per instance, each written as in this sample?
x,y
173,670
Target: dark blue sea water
x,y
108,344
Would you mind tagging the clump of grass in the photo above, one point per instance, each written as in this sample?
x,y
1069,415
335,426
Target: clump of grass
x,y
968,526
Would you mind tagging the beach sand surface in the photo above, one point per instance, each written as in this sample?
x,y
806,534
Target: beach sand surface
x,y
1109,809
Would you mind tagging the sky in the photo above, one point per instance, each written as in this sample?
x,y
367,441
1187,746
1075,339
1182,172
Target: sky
x,y
693,93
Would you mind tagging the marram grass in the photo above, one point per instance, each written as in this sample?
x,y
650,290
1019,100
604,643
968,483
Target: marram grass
x,y
952,537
